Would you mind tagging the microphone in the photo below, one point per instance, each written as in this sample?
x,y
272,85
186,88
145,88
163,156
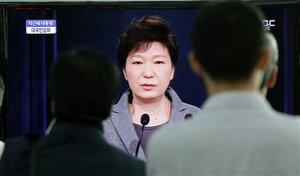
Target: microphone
x,y
144,121
188,116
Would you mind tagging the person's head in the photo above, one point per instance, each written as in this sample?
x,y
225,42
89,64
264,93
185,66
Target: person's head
x,y
228,41
148,53
141,33
83,84
270,75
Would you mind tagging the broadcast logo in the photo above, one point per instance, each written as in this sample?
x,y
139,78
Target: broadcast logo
x,y
269,24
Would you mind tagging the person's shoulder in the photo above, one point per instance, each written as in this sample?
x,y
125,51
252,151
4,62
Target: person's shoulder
x,y
17,142
15,146
120,105
116,110
167,144
176,99
126,156
288,119
127,162
172,133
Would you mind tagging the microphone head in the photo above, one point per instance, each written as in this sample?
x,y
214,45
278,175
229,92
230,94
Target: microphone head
x,y
145,119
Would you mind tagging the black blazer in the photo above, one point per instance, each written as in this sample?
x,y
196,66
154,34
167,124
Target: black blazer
x,y
69,149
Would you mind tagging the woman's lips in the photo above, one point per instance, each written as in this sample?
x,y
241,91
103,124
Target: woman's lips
x,y
147,86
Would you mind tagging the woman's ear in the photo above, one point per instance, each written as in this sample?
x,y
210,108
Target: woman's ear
x,y
172,73
124,73
194,64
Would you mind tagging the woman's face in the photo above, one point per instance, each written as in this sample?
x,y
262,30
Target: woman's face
x,y
149,72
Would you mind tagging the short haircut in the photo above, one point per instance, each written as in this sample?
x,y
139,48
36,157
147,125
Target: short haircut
x,y
271,44
83,84
141,33
228,39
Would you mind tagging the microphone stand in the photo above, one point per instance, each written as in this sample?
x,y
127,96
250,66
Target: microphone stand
x,y
144,121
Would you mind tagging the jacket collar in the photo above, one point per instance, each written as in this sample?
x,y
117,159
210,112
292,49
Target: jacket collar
x,y
177,104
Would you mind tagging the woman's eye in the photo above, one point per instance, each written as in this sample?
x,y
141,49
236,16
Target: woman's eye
x,y
159,62
137,62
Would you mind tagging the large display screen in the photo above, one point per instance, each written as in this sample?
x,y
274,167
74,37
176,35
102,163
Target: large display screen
x,y
37,34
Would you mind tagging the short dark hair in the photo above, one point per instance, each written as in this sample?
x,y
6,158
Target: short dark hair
x,y
228,39
83,84
141,33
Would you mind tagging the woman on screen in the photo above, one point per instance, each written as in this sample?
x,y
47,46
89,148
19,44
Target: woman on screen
x,y
148,53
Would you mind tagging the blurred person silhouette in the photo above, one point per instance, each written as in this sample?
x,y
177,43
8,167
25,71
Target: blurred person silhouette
x,y
270,75
2,90
148,53
239,133
83,84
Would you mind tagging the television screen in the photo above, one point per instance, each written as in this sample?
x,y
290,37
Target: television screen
x,y
35,34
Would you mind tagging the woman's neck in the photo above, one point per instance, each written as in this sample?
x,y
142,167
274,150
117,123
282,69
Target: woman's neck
x,y
159,110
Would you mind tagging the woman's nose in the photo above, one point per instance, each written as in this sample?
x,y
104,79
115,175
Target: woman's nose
x,y
148,71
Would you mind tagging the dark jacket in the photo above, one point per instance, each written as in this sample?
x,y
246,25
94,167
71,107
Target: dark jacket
x,y
69,149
